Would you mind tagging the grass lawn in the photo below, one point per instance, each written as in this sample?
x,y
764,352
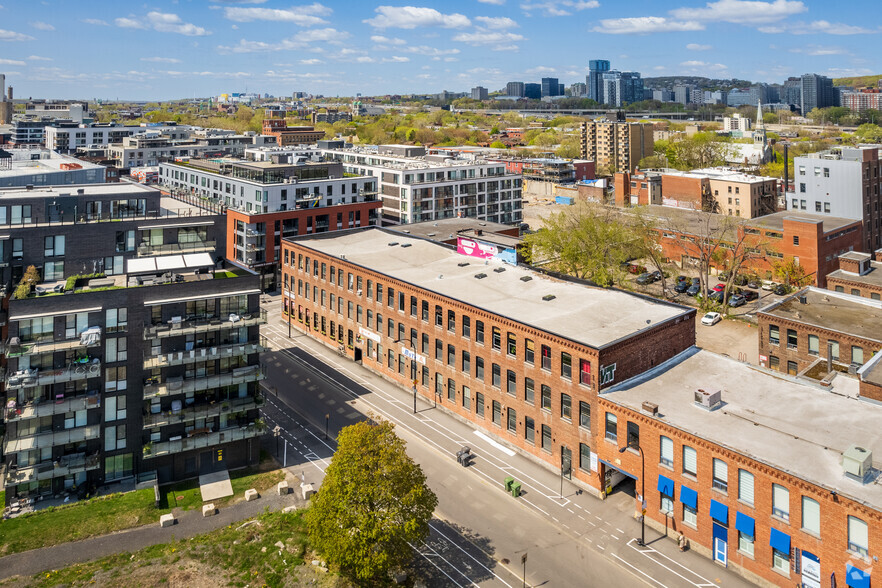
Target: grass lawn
x,y
107,514
223,274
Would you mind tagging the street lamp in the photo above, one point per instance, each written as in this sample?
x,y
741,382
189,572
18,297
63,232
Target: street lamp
x,y
412,369
642,540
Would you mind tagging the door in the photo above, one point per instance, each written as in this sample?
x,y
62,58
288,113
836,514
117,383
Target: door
x,y
566,462
721,547
358,354
206,462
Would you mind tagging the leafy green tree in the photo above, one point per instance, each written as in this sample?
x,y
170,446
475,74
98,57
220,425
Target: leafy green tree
x,y
869,133
497,145
373,503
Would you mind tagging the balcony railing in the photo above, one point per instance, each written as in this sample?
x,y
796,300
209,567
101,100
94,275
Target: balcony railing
x,y
52,439
206,411
64,466
35,377
30,410
199,441
180,385
193,326
196,247
203,354
37,347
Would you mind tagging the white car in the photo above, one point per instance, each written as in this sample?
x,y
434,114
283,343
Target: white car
x,y
711,318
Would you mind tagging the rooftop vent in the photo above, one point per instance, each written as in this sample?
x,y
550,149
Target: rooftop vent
x,y
857,463
481,276
430,235
462,263
499,270
526,278
708,400
406,244
549,297
650,408
393,243
803,299
406,231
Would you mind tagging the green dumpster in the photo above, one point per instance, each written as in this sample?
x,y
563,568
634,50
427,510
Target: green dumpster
x,y
516,489
508,482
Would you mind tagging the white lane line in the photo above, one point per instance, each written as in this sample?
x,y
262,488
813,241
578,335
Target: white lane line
x,y
650,550
620,531
613,536
426,557
468,554
639,571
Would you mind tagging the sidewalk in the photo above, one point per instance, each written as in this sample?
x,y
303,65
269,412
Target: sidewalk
x,y
189,524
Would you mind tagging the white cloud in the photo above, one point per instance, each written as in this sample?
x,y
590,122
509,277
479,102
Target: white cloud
x,y
697,47
503,48
163,22
499,22
311,62
701,67
38,58
741,11
480,37
411,17
848,72
430,51
817,50
11,62
305,16
239,1
558,7
823,27
496,2
13,36
96,21
640,25
387,40
161,59
303,39
42,26
364,59
541,70
396,59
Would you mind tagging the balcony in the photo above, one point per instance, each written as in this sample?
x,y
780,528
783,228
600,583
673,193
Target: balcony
x,y
206,411
53,438
181,385
33,409
175,328
145,250
201,440
36,377
18,349
204,353
63,466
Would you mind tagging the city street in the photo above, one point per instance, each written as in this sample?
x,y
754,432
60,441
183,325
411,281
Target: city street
x,y
480,532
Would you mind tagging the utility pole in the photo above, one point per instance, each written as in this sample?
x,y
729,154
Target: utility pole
x,y
524,562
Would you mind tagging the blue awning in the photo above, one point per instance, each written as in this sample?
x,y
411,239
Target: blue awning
x,y
688,496
719,512
856,578
666,486
745,524
780,541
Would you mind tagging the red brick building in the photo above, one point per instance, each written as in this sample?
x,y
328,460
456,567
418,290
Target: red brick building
x,y
573,376
637,189
274,124
859,274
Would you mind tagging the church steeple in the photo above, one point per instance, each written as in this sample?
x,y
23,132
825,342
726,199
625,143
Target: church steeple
x,y
759,132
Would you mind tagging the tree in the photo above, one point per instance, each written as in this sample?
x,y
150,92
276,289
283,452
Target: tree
x,y
699,151
497,145
373,503
869,133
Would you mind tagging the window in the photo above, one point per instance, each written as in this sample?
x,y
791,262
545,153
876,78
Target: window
x,y
53,246
479,404
497,339
115,379
529,351
115,349
745,486
530,430
585,372
721,475
116,320
479,332
529,390
857,536
811,515
796,240
467,398
566,407
666,455
546,357
781,561
813,344
512,420
439,350
451,390
834,349
546,397
781,502
584,415
511,380
114,438
466,327
791,339
566,366
774,337
633,435
451,321
496,372
114,408
667,505
690,461
584,457
745,544
466,362
546,438
497,413
774,362
611,427
451,355
857,355
479,368
439,317
690,515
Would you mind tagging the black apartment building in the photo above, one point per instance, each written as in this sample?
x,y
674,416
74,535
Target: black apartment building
x,y
135,354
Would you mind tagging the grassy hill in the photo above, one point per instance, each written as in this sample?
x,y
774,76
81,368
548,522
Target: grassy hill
x,y
858,82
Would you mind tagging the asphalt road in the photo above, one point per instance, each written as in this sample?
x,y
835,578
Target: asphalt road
x,y
571,539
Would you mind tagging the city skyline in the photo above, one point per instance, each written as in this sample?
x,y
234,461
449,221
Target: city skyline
x,y
188,49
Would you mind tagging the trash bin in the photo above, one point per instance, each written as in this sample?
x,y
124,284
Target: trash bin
x,y
508,482
516,489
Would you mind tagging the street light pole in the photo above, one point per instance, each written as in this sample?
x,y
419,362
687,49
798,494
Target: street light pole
x,y
642,540
524,561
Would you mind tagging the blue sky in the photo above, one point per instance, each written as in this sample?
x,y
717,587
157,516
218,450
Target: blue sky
x,y
185,48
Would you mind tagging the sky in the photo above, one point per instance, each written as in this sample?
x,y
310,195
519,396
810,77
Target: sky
x,y
161,50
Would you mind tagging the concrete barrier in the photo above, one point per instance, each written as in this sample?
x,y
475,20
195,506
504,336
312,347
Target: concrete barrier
x,y
308,490
208,510
283,488
251,494
167,520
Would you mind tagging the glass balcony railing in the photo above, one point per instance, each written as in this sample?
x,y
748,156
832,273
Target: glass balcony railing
x,y
38,377
180,385
146,250
200,440
35,409
63,466
174,328
52,439
205,411
203,354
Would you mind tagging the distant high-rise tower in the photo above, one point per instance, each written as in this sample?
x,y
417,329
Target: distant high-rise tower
x,y
594,79
550,87
816,92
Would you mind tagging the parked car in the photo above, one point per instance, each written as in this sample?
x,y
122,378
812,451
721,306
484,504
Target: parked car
x,y
768,285
646,278
636,269
717,296
737,300
719,287
682,286
711,319
753,284
781,290
750,295
682,278
693,290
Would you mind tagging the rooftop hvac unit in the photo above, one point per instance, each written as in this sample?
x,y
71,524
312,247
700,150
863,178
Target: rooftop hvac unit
x,y
708,400
857,463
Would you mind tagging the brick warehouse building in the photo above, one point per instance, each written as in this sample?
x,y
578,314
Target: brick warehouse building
x,y
858,274
548,374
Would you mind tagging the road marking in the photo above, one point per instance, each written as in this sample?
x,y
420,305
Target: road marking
x,y
498,446
469,554
639,571
704,581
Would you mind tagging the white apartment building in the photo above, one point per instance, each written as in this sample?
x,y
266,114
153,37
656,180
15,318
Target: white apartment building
x,y
67,140
36,166
736,122
152,148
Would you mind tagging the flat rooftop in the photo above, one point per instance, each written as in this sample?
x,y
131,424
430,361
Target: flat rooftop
x,y
770,417
835,311
22,167
776,220
589,315
450,228
121,188
871,278
720,173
